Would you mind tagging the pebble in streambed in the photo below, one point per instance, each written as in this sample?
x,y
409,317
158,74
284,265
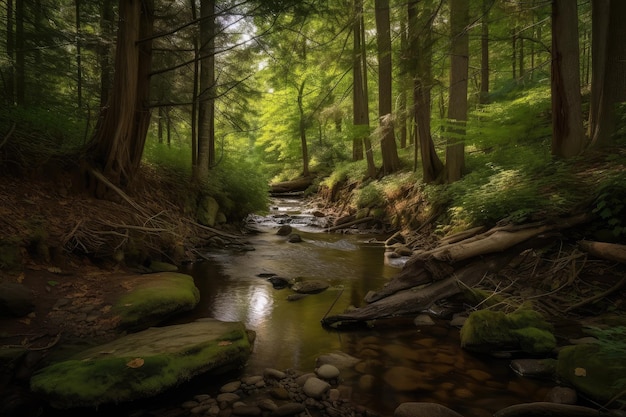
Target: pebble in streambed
x,y
281,394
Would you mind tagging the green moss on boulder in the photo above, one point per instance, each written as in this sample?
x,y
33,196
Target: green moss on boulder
x,y
143,364
599,369
526,330
155,297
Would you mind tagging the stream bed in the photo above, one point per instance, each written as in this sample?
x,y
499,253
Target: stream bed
x,y
398,360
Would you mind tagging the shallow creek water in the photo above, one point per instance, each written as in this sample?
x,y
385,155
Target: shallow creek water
x,y
399,361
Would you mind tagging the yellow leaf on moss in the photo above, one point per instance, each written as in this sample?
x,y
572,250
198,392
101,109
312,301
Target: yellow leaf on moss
x,y
135,363
224,343
580,372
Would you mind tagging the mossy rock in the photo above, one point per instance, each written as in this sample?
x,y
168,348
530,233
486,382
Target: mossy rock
x,y
144,364
154,298
595,370
525,330
208,208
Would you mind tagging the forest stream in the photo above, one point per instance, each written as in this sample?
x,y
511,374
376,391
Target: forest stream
x,y
401,361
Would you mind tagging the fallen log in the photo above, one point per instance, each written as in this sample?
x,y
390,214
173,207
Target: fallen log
x,y
604,250
495,240
293,186
414,301
402,297
350,224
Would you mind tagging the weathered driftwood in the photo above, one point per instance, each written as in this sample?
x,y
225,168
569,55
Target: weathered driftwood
x,y
495,240
609,251
416,272
413,301
447,266
457,237
299,184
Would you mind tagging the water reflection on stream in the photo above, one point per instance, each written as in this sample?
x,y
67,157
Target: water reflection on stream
x,y
399,362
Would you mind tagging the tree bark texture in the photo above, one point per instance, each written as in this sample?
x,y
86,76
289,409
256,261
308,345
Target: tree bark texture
x,y
609,68
120,136
420,46
206,97
389,150
484,52
105,50
302,130
568,138
457,108
359,94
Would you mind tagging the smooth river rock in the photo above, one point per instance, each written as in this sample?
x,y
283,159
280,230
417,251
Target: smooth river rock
x,y
315,387
310,286
414,409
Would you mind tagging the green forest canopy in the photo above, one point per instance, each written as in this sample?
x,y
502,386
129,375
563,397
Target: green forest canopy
x,y
251,91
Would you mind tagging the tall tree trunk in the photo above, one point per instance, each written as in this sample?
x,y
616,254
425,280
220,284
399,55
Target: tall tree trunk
x,y
206,98
609,57
484,52
405,85
9,77
121,132
194,95
360,108
20,51
391,162
79,65
420,46
302,130
105,50
568,138
457,108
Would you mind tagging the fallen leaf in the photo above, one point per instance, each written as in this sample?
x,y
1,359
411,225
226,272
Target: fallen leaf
x,y
580,372
135,363
25,321
20,278
224,343
55,270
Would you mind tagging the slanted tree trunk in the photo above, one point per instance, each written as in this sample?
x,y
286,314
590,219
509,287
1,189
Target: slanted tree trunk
x,y
391,162
120,135
457,108
568,138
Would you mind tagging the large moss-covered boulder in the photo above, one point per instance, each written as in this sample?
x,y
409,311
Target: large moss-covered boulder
x,y
153,298
525,330
598,370
143,364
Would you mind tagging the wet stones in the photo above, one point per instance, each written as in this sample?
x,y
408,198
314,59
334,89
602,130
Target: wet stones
x,y
310,286
284,230
280,394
